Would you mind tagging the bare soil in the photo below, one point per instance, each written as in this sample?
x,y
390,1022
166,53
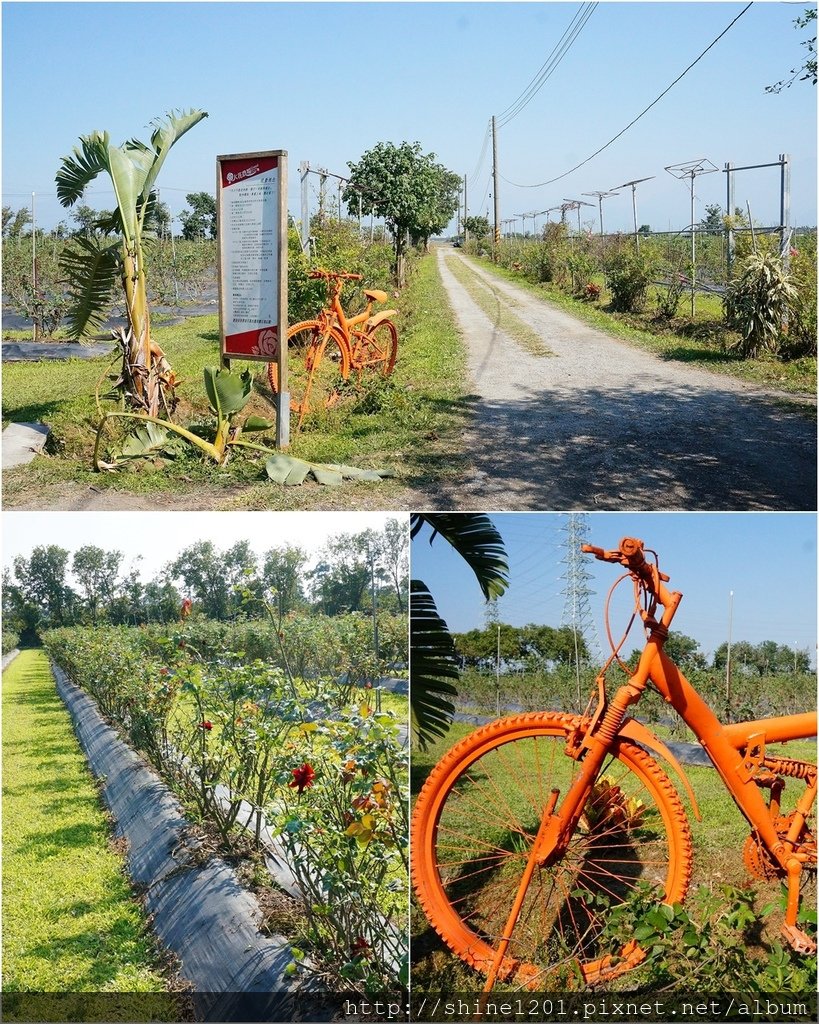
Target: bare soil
x,y
599,424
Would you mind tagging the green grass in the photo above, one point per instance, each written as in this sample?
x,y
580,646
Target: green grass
x,y
71,922
411,421
696,342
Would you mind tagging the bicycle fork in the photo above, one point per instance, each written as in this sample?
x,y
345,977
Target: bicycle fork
x,y
556,829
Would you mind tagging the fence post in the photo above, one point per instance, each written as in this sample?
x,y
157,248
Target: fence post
x,y
785,210
729,213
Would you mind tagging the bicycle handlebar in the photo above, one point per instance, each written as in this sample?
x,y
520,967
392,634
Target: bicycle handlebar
x,y
328,274
631,554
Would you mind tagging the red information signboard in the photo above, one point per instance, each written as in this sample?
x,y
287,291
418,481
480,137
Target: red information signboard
x,y
252,219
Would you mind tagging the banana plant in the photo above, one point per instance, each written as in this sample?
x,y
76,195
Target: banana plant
x,y
228,394
93,264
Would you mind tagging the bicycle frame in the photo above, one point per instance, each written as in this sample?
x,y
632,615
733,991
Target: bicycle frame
x,y
736,751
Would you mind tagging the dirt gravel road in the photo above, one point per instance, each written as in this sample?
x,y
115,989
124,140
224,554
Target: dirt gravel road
x,y
598,424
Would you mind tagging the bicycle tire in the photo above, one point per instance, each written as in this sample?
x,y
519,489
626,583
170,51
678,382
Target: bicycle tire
x,y
472,828
380,346
318,364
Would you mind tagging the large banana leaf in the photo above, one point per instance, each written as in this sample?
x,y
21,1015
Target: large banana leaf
x,y
227,392
132,167
433,661
91,267
167,132
475,538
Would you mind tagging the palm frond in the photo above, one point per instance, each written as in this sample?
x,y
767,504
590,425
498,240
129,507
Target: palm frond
x,y
433,661
79,170
477,541
91,271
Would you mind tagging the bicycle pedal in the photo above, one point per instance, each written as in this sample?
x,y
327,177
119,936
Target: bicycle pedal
x,y
798,940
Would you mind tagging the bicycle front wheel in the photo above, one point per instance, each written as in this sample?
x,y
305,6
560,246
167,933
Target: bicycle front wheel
x,y
474,824
377,349
318,364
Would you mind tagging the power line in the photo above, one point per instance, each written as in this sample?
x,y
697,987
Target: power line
x,y
565,43
637,118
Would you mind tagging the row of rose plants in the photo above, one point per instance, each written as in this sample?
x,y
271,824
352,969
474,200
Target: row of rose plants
x,y
246,743
310,646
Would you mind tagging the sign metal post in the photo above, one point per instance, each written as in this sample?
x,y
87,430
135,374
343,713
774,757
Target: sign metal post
x,y
252,264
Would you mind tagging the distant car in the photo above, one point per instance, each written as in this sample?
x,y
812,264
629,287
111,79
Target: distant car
x,y
457,243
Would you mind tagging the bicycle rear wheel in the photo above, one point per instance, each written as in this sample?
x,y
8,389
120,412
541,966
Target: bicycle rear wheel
x,y
377,349
473,828
318,364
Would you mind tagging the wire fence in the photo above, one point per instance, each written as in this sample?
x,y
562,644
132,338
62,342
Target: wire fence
x,y
708,256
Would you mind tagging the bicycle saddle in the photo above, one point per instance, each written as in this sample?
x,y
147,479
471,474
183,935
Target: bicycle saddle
x,y
376,295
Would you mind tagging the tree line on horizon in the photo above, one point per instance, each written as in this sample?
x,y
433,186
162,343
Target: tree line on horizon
x,y
54,587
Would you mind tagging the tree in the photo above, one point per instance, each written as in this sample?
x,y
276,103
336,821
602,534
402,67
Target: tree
x,y
685,651
808,66
200,221
97,572
442,191
478,227
13,223
216,580
713,219
405,187
93,264
159,220
433,657
42,582
392,551
341,579
283,572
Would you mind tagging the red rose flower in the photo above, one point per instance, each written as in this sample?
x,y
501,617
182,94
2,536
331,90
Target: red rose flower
x,y
360,947
185,610
302,778
206,725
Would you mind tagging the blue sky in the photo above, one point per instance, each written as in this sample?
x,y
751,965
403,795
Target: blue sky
x,y
326,82
768,560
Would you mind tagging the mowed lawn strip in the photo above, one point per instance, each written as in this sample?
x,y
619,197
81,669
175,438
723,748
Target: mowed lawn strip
x,y
71,922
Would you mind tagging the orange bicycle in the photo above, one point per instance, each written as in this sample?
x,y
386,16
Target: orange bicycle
x,y
533,827
327,348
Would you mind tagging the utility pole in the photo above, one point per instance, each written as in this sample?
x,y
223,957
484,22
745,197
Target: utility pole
x,y
304,170
466,214
728,656
34,253
495,187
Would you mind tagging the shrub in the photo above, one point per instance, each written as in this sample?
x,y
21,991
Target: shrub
x,y
11,640
582,268
342,815
668,300
629,273
801,336
757,302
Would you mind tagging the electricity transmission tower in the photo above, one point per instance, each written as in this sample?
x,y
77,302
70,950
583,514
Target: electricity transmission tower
x,y
577,613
